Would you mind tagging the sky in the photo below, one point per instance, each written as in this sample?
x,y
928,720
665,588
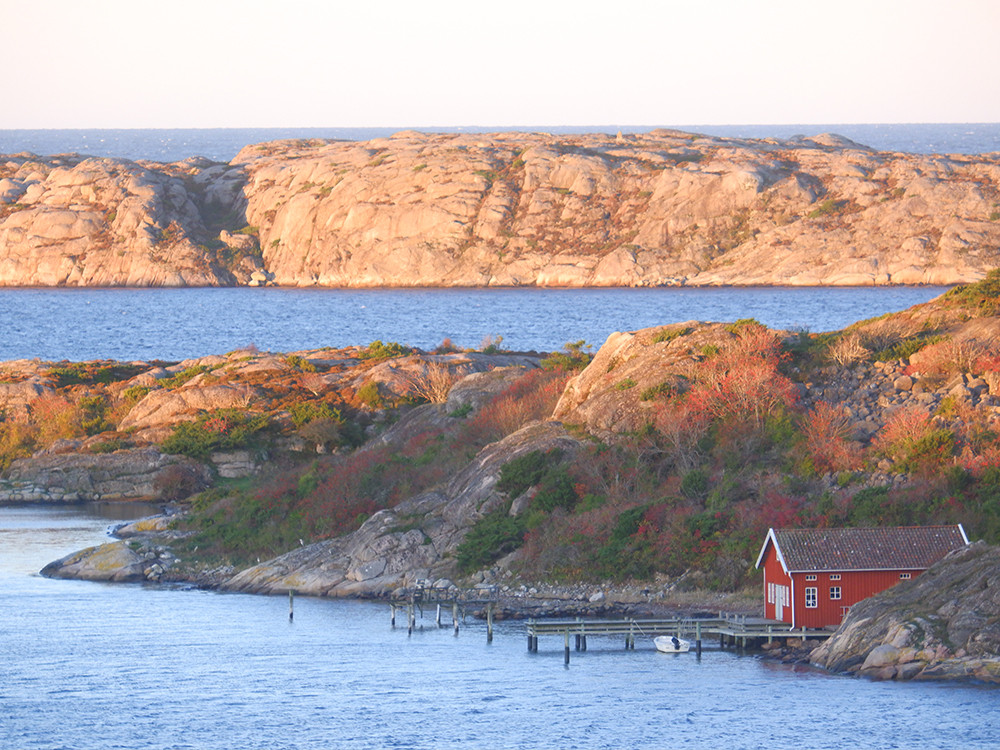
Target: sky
x,y
369,63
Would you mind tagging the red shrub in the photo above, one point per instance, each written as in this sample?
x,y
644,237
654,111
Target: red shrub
x,y
532,396
828,442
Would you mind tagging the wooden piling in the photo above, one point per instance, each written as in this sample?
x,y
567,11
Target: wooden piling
x,y
697,638
454,616
437,616
291,605
566,657
489,622
392,615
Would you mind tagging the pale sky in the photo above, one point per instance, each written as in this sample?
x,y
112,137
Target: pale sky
x,y
327,63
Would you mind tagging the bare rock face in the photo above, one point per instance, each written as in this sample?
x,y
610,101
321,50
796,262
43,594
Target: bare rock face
x,y
125,475
162,407
613,393
114,561
74,221
15,397
508,209
941,625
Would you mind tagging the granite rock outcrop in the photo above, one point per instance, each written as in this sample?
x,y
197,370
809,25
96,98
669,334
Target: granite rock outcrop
x,y
505,209
941,625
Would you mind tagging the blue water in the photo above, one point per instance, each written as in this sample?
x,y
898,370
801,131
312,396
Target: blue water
x,y
89,666
222,144
126,324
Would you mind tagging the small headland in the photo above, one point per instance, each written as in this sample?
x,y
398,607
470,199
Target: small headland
x,y
640,479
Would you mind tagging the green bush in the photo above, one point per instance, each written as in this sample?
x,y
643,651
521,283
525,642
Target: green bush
x,y
555,490
134,394
222,429
520,473
694,484
667,335
299,363
184,376
379,350
92,410
304,412
666,388
572,358
369,395
493,536
906,348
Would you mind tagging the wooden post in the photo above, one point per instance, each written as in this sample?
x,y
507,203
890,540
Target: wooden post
x,y
489,622
392,615
769,636
566,657
409,618
697,638
454,616
437,617
291,604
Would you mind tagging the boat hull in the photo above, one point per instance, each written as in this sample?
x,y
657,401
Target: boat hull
x,y
669,645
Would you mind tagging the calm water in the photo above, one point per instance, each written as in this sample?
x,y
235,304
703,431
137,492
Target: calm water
x,y
97,666
125,324
222,144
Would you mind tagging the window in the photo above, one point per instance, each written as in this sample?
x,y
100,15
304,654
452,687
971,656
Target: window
x,y
904,576
834,593
810,576
812,597
835,576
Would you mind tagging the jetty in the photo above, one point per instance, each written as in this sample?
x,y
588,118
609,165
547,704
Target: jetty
x,y
739,631
458,602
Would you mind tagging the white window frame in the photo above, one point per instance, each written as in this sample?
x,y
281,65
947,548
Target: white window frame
x,y
835,593
835,576
904,576
810,576
812,597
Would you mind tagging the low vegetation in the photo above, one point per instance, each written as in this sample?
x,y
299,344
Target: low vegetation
x,y
725,448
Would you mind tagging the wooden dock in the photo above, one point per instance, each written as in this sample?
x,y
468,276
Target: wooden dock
x,y
456,601
739,631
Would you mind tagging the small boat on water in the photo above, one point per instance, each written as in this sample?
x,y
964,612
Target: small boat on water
x,y
670,644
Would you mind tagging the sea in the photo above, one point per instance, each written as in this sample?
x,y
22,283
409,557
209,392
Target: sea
x,y
222,144
95,666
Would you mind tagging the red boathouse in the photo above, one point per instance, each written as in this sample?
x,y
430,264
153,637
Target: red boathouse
x,y
812,577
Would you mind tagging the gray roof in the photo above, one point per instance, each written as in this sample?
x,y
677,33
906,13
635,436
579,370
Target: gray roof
x,y
894,548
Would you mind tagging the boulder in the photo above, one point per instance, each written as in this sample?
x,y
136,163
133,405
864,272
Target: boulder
x,y
114,561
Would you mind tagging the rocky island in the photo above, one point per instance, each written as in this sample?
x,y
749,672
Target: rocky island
x,y
644,476
506,209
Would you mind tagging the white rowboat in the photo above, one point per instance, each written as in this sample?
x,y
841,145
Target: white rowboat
x,y
668,644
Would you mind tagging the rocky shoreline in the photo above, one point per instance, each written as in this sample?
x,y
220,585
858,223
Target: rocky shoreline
x,y
661,460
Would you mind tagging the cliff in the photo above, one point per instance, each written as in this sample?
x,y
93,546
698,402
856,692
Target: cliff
x,y
663,208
